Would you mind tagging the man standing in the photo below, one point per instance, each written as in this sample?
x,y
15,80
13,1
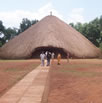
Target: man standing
x,y
48,57
42,57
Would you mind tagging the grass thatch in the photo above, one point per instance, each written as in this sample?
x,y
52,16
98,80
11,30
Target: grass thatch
x,y
53,32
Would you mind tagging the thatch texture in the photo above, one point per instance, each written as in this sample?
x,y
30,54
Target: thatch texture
x,y
53,32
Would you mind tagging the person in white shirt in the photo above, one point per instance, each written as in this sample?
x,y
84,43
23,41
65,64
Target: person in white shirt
x,y
52,56
42,57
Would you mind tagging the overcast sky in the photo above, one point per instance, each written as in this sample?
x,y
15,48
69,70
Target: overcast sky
x,y
12,11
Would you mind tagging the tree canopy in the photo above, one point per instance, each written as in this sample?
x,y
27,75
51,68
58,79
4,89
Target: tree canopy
x,y
92,30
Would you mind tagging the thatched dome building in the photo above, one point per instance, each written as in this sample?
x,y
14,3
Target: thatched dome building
x,y
49,34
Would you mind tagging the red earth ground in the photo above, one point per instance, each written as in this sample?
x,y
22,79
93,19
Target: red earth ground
x,y
11,71
79,81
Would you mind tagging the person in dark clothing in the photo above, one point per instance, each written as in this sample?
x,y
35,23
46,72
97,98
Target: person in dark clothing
x,y
48,57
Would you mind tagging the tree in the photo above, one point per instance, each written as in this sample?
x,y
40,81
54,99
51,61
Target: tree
x,y
1,26
10,33
100,20
2,33
34,22
79,27
25,24
72,25
94,31
91,30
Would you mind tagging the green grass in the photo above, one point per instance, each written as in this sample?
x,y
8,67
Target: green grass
x,y
11,70
20,68
13,60
77,69
81,65
81,73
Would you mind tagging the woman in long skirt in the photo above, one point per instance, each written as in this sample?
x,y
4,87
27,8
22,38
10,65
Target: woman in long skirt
x,y
58,59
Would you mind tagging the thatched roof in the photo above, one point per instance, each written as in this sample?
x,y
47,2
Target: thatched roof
x,y
53,32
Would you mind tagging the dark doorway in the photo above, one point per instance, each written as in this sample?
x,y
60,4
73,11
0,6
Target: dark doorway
x,y
37,52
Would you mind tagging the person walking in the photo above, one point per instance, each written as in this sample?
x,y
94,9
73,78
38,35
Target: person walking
x,y
48,57
42,57
52,56
58,58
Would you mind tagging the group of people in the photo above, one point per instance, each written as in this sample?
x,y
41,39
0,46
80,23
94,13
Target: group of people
x,y
46,56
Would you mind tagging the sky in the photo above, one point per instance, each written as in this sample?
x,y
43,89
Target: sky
x,y
13,11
